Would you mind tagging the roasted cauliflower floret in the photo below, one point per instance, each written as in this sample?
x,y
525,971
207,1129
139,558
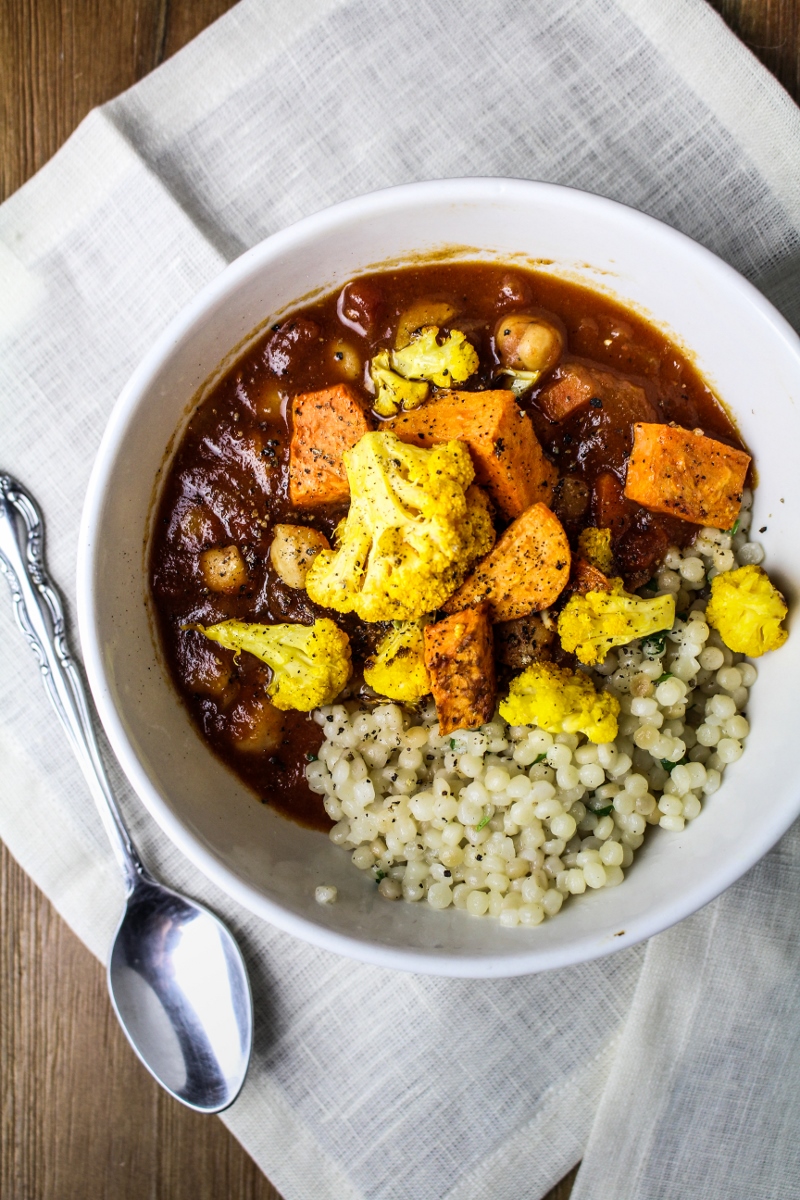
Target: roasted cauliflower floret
x,y
414,529
747,610
424,358
397,669
595,546
591,624
393,391
310,663
559,701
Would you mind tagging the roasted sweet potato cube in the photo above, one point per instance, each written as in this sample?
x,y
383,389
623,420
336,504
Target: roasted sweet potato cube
x,y
324,425
526,571
224,569
508,460
685,474
579,387
459,657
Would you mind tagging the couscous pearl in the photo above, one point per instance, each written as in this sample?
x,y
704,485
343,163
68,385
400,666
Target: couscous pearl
x,y
707,735
729,750
692,569
496,779
751,553
595,875
691,808
576,883
729,678
646,737
604,828
611,854
563,826
736,727
721,706
748,673
552,901
636,785
674,824
440,895
614,876
559,756
670,806
477,903
325,894
712,658
530,914
669,692
624,803
591,775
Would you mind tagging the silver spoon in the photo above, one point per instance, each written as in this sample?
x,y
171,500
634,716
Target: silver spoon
x,y
176,976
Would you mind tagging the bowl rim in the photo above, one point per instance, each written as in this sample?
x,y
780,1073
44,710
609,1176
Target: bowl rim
x,y
403,197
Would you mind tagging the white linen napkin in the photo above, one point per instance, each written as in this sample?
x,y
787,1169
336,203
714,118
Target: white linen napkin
x,y
676,1064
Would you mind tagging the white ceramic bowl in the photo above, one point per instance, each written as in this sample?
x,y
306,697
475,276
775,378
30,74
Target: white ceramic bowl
x,y
746,351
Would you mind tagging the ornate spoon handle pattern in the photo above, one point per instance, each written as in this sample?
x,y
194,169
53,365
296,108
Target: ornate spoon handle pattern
x,y
40,615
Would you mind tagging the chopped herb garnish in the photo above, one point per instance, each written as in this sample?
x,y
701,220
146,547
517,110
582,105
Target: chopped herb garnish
x,y
665,676
311,758
655,644
732,532
668,766
603,812
682,616
452,743
651,585
484,821
540,758
379,874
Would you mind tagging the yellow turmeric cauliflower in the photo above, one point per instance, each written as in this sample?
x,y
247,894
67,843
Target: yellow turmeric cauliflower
x,y
397,669
747,609
590,625
414,529
393,391
559,701
595,546
424,358
310,663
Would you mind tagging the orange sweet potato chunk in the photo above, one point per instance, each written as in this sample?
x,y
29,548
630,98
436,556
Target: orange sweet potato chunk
x,y
324,425
459,656
526,571
508,460
688,475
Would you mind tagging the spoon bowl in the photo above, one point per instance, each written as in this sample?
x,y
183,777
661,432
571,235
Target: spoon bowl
x,y
181,992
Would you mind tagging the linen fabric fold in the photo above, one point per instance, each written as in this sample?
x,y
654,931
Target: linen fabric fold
x,y
367,1083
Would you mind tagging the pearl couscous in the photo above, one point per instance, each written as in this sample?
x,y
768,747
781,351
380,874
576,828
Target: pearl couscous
x,y
509,822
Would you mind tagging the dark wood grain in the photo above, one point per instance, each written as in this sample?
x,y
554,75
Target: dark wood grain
x,y
771,29
80,1118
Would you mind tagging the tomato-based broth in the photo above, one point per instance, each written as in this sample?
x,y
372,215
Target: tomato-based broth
x,y
227,487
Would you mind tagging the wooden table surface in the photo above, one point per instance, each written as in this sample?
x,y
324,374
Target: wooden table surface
x,y
80,1119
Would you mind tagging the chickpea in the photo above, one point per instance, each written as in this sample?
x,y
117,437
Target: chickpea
x,y
224,569
210,672
293,550
255,725
345,359
527,343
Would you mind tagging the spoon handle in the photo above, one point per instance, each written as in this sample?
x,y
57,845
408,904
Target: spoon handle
x,y
40,615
